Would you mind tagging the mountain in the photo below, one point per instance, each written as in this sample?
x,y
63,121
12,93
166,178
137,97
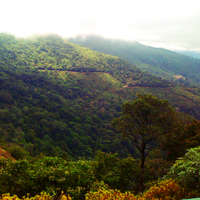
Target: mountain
x,y
158,61
58,99
193,54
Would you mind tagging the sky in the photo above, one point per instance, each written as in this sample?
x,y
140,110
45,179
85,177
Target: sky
x,y
170,24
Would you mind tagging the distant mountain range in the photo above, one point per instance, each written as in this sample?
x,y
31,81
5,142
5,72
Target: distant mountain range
x,y
193,54
161,62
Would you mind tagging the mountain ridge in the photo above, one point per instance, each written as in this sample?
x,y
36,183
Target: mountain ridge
x,y
158,61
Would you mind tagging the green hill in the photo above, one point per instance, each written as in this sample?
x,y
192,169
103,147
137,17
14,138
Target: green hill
x,y
158,61
58,98
54,53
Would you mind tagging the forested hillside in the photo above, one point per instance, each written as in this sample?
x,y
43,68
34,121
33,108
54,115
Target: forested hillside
x,y
59,99
60,108
158,61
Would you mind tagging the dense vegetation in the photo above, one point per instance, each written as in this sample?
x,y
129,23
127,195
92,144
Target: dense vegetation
x,y
104,176
146,122
53,53
57,101
54,100
157,61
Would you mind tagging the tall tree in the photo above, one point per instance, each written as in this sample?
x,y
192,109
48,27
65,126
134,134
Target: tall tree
x,y
145,122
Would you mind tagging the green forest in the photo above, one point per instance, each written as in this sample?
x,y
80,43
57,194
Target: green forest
x,y
81,124
158,61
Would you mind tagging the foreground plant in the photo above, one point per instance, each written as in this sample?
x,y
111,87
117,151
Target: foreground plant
x,y
186,169
103,194
42,196
168,189
165,190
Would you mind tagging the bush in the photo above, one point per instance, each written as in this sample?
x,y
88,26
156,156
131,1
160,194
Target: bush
x,y
103,194
167,189
186,170
42,196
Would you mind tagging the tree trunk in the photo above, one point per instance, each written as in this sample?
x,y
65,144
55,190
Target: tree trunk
x,y
141,186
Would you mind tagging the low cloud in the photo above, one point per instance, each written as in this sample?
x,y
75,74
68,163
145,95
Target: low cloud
x,y
169,24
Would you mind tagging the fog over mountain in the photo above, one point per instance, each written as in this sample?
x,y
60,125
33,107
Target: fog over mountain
x,y
168,24
158,61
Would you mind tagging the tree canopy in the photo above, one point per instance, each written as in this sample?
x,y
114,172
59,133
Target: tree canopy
x,y
186,169
145,122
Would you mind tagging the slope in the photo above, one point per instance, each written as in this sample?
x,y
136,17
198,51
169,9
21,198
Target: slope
x,y
58,99
157,61
53,53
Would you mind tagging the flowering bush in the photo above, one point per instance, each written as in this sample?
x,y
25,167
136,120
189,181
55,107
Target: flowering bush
x,y
169,189
103,194
165,190
42,196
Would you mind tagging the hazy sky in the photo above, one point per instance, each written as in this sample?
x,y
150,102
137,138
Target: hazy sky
x,y
172,24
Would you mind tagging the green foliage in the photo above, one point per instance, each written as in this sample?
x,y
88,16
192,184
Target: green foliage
x,y
160,62
76,178
116,173
146,121
186,169
45,98
15,178
96,185
45,174
17,152
58,99
54,175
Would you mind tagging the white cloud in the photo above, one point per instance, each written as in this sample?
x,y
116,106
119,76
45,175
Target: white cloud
x,y
168,23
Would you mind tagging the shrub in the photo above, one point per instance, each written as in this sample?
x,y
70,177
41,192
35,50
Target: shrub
x,y
168,189
186,170
103,194
42,196
165,190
